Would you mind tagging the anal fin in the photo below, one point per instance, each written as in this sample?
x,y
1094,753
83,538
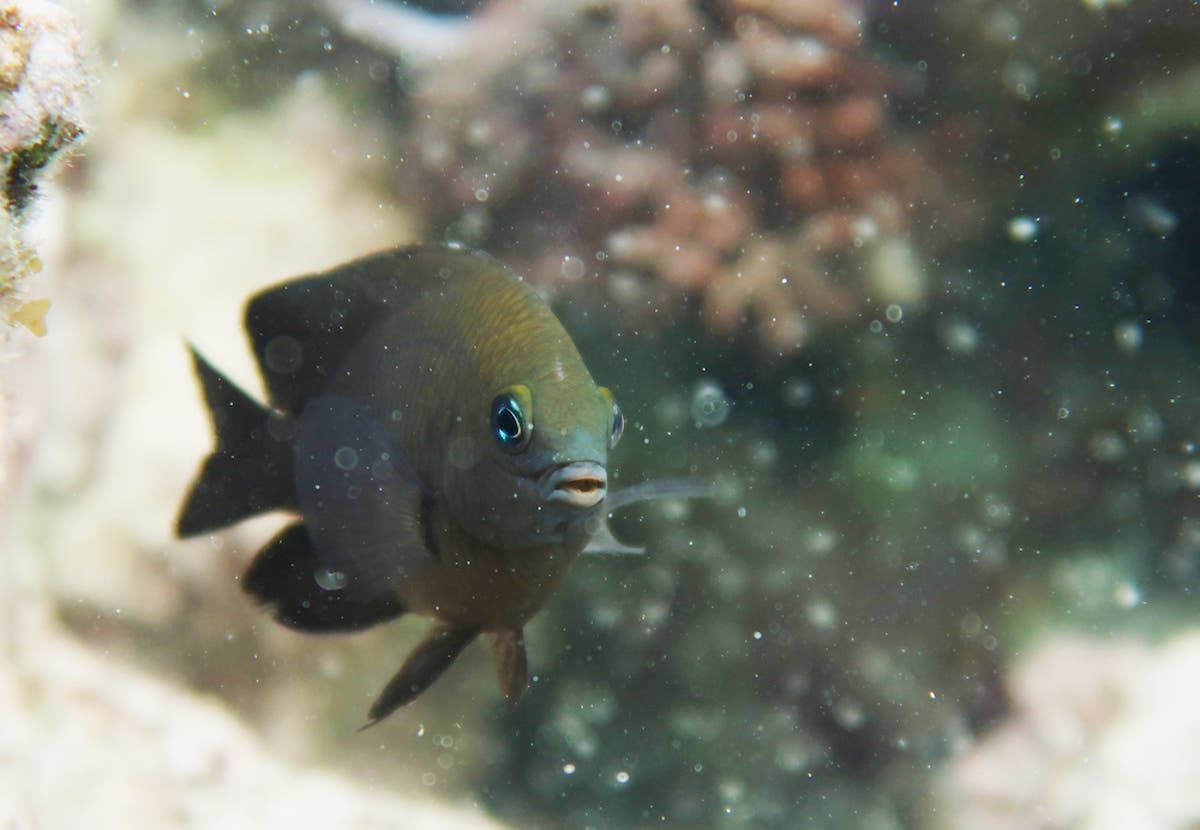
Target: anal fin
x,y
307,594
512,666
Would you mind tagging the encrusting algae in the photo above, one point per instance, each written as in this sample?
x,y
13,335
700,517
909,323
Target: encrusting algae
x,y
43,83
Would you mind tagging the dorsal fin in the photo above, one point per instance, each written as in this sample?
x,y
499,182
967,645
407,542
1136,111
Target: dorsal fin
x,y
303,329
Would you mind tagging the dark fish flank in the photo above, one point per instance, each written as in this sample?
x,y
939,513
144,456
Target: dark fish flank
x,y
442,445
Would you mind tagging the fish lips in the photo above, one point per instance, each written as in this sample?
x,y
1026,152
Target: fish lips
x,y
577,484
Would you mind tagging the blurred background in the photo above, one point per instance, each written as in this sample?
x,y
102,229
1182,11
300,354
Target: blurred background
x,y
916,283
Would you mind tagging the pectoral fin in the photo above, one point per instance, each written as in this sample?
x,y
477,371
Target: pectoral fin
x,y
425,665
511,663
603,541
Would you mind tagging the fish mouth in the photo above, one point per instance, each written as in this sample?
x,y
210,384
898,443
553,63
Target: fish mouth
x,y
579,484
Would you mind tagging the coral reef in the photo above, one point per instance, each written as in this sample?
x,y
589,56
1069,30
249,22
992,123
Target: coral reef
x,y
903,504
1103,734
739,151
43,85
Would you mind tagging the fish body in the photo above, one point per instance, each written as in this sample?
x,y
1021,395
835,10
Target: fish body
x,y
441,442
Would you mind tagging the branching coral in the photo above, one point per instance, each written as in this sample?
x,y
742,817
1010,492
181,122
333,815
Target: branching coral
x,y
42,87
738,150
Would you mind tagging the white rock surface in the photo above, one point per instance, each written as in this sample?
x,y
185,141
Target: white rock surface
x,y
87,743
1105,736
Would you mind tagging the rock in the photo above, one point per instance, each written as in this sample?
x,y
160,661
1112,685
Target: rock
x,y
88,742
1104,735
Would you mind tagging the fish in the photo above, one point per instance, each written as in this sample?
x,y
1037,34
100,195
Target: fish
x,y
441,444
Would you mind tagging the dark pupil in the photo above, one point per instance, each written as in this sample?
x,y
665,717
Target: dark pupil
x,y
508,426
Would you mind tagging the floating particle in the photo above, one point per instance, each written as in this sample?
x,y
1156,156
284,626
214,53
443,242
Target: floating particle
x,y
897,273
849,714
820,613
1191,475
1127,595
797,392
731,789
959,337
1022,229
821,541
595,98
1106,446
1145,426
1153,216
764,454
1020,78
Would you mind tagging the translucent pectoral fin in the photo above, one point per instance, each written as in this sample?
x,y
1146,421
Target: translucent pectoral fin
x,y
603,541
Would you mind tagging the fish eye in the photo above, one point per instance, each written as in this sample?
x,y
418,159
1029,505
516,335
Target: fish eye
x,y
509,425
618,426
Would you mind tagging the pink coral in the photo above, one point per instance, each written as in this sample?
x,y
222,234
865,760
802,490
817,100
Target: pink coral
x,y
738,150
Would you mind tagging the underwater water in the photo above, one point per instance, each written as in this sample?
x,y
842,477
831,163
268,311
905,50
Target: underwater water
x,y
914,285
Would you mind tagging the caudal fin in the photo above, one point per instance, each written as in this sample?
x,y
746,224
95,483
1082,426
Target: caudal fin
x,y
249,472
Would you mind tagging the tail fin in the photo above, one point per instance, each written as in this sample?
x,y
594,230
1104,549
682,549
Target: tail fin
x,y
249,472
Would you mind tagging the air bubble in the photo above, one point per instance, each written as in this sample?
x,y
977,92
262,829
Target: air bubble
x,y
346,458
573,268
709,407
282,355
